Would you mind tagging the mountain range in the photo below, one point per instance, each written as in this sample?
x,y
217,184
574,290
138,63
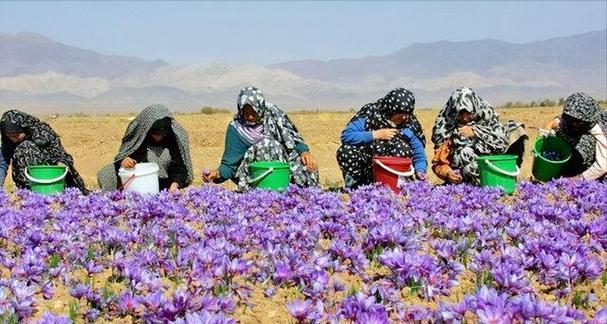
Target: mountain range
x,y
37,73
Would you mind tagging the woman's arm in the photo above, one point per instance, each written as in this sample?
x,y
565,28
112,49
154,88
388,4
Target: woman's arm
x,y
233,152
356,134
420,161
599,168
177,169
441,165
4,161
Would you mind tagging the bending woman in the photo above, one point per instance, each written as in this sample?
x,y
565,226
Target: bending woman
x,y
467,127
153,136
583,124
387,127
28,141
260,131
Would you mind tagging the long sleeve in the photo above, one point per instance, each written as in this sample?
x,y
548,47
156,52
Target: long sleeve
x,y
4,161
301,147
420,162
356,133
599,168
233,153
177,169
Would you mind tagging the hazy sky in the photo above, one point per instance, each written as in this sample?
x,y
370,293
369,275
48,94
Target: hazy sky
x,y
270,32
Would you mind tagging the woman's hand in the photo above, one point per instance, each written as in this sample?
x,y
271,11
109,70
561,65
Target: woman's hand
x,y
553,124
308,160
384,133
174,187
466,131
421,176
454,177
128,163
210,175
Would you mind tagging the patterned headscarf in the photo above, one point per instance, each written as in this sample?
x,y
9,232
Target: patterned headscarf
x,y
397,101
163,125
37,131
41,134
276,123
139,128
489,135
9,127
583,107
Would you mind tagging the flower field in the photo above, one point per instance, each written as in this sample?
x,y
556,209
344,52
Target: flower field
x,y
210,255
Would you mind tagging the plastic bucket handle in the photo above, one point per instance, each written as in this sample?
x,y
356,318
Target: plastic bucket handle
x,y
127,182
148,171
398,173
45,181
534,154
504,172
261,176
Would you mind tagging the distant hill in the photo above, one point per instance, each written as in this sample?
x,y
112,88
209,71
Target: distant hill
x,y
575,62
36,71
28,53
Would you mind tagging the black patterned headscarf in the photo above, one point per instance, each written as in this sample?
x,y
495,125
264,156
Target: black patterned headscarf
x,y
8,127
164,125
276,123
583,107
37,131
489,134
397,101
151,117
44,137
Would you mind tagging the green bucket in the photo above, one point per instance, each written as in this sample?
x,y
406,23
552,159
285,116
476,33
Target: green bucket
x,y
46,179
545,169
498,171
272,175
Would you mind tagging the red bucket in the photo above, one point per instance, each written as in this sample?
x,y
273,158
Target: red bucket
x,y
388,170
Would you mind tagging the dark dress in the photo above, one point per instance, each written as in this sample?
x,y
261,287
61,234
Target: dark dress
x,y
41,146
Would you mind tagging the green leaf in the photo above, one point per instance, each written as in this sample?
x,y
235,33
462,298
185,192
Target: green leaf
x,y
353,290
9,318
90,253
579,299
53,261
73,310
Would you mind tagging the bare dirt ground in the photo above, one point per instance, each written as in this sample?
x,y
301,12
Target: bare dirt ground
x,y
93,141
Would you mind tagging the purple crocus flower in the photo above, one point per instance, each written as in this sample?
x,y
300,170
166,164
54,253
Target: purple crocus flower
x,y
452,313
50,318
128,303
47,290
303,310
600,317
204,317
374,316
282,273
493,315
269,292
93,268
510,277
80,291
92,315
5,304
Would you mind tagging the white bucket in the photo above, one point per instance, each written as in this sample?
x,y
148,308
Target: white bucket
x,y
143,178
